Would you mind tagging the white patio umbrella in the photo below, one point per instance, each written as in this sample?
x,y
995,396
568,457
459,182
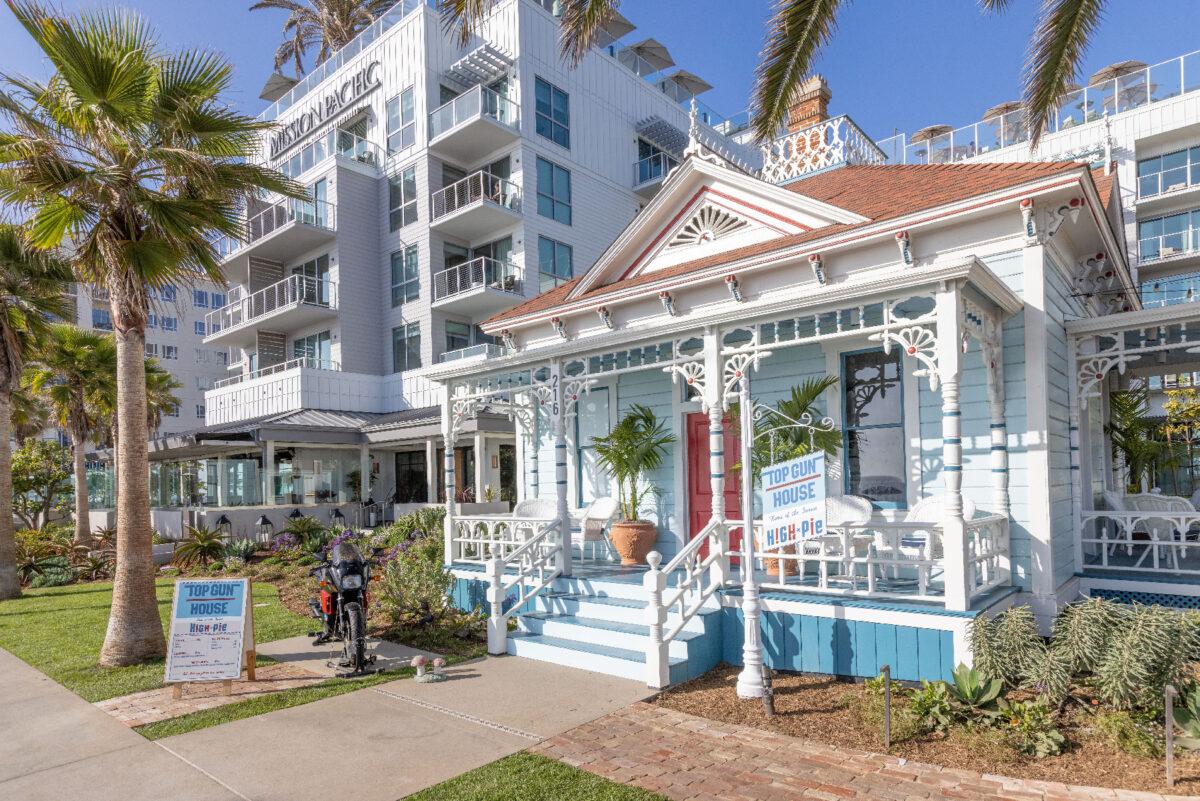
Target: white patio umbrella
x,y
689,82
653,52
1116,70
930,132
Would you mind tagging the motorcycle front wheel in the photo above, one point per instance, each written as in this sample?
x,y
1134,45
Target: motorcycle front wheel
x,y
356,637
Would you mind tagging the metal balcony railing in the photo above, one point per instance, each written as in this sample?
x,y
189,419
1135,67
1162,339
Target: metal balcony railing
x,y
480,272
306,362
652,168
278,215
335,143
484,349
477,102
291,291
477,187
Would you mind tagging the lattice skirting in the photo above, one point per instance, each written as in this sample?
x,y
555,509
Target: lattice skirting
x,y
1148,598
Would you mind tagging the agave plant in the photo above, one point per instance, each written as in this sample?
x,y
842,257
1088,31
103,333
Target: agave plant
x,y
240,549
1187,719
202,546
95,568
973,689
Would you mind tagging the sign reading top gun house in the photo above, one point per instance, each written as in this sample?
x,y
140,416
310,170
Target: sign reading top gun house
x,y
210,623
793,501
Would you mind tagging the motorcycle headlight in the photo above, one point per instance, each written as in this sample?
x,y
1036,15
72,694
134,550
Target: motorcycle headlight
x,y
351,582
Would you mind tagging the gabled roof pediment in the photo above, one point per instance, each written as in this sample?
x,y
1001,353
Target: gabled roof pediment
x,y
702,210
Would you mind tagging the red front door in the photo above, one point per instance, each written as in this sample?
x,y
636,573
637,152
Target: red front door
x,y
699,477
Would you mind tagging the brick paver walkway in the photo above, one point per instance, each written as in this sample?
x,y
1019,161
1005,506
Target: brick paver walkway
x,y
152,706
689,758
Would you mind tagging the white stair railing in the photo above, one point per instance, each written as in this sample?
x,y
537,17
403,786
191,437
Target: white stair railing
x,y
537,566
700,576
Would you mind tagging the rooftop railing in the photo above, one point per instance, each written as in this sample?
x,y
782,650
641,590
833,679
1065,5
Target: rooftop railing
x,y
305,362
477,102
817,147
1153,84
291,291
278,215
476,187
479,272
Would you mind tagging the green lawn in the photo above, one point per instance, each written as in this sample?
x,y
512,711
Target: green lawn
x,y
60,630
528,777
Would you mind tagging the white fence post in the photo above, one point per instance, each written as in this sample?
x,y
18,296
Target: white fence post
x,y
497,625
658,667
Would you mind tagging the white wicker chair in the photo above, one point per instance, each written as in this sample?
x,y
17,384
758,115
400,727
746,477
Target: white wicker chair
x,y
593,527
839,510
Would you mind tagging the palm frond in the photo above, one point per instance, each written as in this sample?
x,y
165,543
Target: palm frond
x,y
460,17
1060,40
796,31
580,21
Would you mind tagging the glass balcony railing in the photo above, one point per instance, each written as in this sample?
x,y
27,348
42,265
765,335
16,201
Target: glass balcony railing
x,y
475,103
1168,246
652,168
486,349
335,143
1170,173
474,274
305,362
479,186
1171,291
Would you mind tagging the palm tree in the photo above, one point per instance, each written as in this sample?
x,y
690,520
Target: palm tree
x,y
76,373
798,29
130,154
160,393
32,290
328,25
30,416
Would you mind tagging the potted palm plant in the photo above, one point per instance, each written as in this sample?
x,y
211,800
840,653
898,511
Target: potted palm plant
x,y
635,446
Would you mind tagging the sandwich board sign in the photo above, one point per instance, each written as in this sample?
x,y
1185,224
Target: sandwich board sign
x,y
793,494
212,631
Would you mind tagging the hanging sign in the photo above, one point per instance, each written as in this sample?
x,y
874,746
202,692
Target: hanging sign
x,y
212,630
793,494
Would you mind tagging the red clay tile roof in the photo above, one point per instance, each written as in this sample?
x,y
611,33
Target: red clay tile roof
x,y
1104,185
878,192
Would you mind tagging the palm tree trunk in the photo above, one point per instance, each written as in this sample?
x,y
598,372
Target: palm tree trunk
x,y
83,526
135,632
10,585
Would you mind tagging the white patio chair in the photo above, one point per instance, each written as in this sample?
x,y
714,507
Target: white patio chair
x,y
593,527
918,545
1160,529
839,510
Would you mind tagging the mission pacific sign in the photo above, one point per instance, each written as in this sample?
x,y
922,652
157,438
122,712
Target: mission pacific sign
x,y
353,87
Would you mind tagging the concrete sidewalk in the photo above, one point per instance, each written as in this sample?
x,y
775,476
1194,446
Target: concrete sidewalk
x,y
55,746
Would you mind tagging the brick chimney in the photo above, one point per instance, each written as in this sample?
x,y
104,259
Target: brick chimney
x,y
810,105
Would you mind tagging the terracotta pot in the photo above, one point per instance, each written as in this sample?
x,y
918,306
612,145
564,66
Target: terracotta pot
x,y
781,567
633,539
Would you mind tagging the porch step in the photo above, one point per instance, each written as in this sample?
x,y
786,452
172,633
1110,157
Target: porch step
x,y
618,610
597,658
633,636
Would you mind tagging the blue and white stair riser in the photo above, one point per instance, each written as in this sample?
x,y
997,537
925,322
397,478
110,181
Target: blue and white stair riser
x,y
619,609
630,636
620,662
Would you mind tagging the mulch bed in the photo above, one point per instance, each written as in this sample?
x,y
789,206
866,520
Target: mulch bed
x,y
820,708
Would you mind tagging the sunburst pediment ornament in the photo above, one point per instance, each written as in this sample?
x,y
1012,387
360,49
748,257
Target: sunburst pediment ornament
x,y
707,225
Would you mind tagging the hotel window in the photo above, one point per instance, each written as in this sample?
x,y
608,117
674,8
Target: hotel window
x,y
402,198
553,191
314,349
406,277
401,125
1164,237
218,300
411,483
554,263
199,298
102,319
458,335
169,323
873,411
151,350
168,294
152,320
198,327
170,352
553,107
1168,173
172,412
406,347
200,410
315,290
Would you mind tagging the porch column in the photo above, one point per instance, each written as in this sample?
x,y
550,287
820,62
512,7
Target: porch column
x,y
714,390
1080,472
993,362
448,473
364,471
558,416
750,680
431,470
954,541
268,472
480,454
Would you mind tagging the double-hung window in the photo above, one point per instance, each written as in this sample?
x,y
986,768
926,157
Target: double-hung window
x,y
873,410
170,352
406,347
553,107
198,327
553,191
199,298
168,294
406,277
169,323
591,421
554,263
402,198
401,125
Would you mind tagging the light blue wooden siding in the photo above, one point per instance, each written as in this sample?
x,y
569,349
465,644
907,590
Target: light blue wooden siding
x,y
811,644
469,594
655,389
1060,307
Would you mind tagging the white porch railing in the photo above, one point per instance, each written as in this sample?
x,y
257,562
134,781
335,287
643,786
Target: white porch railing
x,y
479,538
291,291
821,146
476,187
534,565
1141,541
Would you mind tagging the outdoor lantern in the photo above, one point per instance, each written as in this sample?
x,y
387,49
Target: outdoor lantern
x,y
295,515
264,529
225,526
336,517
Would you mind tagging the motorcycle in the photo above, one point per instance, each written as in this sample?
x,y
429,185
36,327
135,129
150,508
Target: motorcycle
x,y
342,606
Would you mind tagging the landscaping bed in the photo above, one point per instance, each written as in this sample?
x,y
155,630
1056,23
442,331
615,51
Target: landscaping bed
x,y
838,712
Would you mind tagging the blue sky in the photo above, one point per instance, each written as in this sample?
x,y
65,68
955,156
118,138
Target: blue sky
x,y
893,64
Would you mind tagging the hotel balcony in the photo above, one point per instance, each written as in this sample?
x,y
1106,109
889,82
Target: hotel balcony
x,y
305,383
280,232
476,206
474,124
479,286
292,303
650,172
485,350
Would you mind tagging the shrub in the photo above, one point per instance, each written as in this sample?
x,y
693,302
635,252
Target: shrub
x,y
96,568
416,585
930,705
241,549
1032,728
1150,647
1004,648
1187,718
53,571
1133,733
284,543
202,546
425,522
